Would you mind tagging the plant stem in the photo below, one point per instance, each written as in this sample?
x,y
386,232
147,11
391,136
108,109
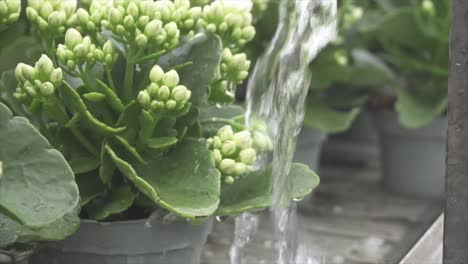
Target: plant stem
x,y
110,79
84,141
235,125
129,75
84,77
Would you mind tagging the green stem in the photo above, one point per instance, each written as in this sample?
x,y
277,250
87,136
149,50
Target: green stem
x,y
84,77
129,75
84,141
235,125
110,79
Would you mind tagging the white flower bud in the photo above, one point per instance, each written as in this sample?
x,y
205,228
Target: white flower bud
x,y
153,28
141,40
229,180
83,15
108,47
171,78
171,29
179,93
56,19
56,76
240,168
217,156
171,104
156,74
225,133
261,141
44,65
29,73
217,142
164,93
129,22
248,156
243,139
153,90
228,148
227,166
144,99
115,16
46,9
132,10
31,13
47,89
72,38
248,33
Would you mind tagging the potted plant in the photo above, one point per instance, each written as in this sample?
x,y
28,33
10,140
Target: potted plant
x,y
137,96
342,75
410,114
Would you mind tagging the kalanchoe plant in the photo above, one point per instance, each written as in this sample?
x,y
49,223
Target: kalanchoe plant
x,y
134,98
345,72
9,12
413,40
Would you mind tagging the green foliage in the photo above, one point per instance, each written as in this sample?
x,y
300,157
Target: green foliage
x,y
38,193
132,96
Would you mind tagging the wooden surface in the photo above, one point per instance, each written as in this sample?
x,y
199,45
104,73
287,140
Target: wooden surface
x,y
456,210
350,218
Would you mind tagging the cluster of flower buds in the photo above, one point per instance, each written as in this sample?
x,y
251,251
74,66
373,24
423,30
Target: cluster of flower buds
x,y
234,67
181,13
79,50
233,153
231,21
9,12
40,80
51,17
89,20
164,94
140,23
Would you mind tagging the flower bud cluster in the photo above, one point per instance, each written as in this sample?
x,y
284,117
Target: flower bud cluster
x,y
181,13
233,153
51,17
140,23
164,94
234,67
40,80
89,20
231,21
9,12
79,50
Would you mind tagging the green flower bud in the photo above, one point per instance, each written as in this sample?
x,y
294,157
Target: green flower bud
x,y
44,65
132,10
108,47
211,28
171,29
56,19
228,148
141,40
143,20
227,166
225,133
243,139
144,99
153,90
19,73
229,180
195,12
217,142
171,78
115,16
29,72
164,93
46,9
153,28
240,168
179,93
47,89
261,141
80,50
248,32
248,156
72,38
129,22
171,104
56,76
156,74
234,20
83,15
217,156
31,13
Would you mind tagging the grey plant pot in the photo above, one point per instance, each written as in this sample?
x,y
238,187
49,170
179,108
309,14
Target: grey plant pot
x,y
131,242
413,161
309,146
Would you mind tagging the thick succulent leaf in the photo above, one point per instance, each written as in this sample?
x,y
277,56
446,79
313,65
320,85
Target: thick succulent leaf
x,y
413,113
38,186
12,231
191,190
254,191
24,49
368,70
117,201
203,67
321,116
326,70
90,186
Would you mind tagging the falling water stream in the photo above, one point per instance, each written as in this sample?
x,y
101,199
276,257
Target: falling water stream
x,y
276,94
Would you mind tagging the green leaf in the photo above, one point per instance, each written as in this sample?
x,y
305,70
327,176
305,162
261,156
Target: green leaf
x,y
413,112
24,49
162,142
38,186
369,70
254,191
205,53
326,70
117,201
55,231
190,191
83,164
90,187
326,119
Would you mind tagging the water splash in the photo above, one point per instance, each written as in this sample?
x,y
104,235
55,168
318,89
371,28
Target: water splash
x,y
277,91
